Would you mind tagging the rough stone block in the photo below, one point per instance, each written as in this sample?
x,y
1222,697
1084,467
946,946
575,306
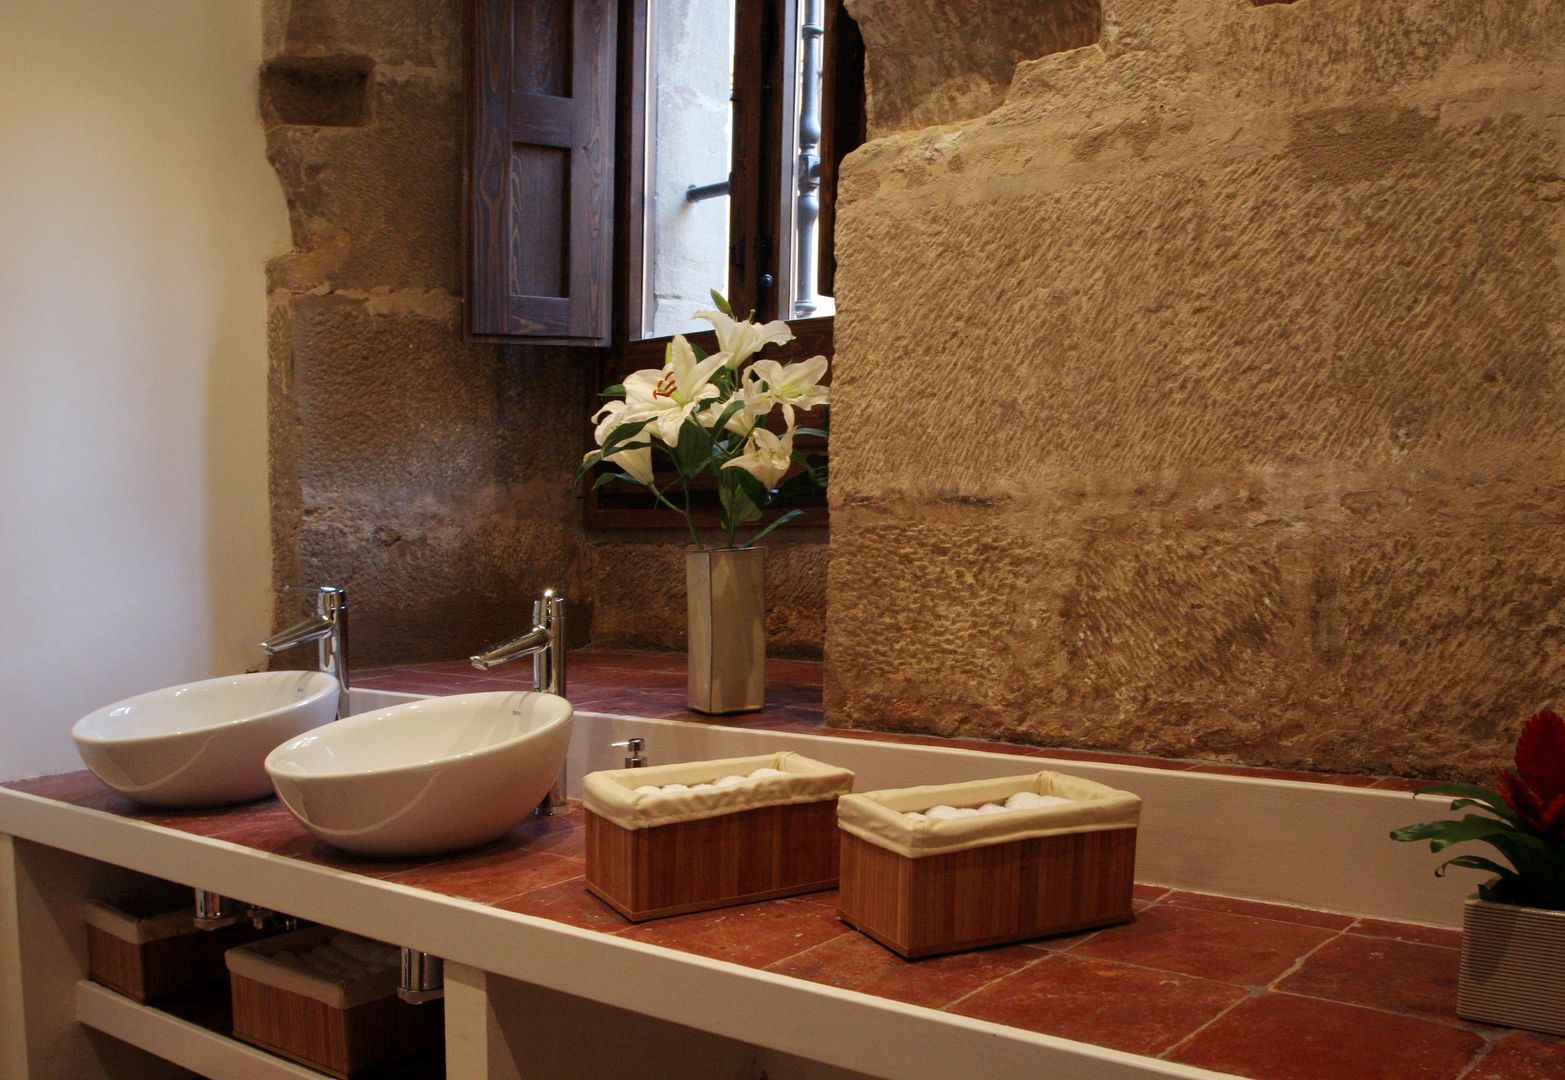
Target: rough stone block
x,y
377,205
419,33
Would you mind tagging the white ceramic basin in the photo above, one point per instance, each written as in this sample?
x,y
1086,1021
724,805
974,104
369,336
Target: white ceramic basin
x,y
425,777
203,743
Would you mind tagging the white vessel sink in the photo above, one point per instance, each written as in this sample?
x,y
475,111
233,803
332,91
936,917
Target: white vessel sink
x,y
425,777
203,743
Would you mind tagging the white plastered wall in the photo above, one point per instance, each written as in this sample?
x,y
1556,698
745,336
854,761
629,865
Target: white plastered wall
x,y
137,211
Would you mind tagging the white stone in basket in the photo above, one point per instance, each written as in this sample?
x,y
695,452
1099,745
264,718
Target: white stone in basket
x,y
625,796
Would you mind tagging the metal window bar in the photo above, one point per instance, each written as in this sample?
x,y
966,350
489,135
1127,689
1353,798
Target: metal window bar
x,y
808,203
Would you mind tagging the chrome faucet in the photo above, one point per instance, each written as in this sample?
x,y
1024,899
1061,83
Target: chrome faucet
x,y
328,628
545,643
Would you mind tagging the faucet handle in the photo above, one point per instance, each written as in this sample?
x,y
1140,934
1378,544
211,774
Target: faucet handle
x,y
330,600
634,759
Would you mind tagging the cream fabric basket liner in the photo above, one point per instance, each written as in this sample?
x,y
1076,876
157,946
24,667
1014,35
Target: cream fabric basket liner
x,y
878,816
259,963
612,794
143,915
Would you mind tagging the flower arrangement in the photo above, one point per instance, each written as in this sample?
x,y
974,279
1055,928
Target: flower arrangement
x,y
711,414
1524,821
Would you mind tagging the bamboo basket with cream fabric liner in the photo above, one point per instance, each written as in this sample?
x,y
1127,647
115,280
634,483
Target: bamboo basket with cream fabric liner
x,y
345,1023
650,855
143,943
925,887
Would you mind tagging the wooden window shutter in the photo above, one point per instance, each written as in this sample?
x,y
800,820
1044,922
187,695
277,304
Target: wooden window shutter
x,y
540,170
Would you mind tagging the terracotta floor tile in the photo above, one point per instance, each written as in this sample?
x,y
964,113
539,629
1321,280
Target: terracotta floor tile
x,y
1150,892
854,962
755,935
629,680
1382,973
1422,935
308,849
1066,942
627,660
1109,758
1522,1057
79,788
1297,775
1282,1037
1209,944
226,822
568,902
1399,783
1327,920
826,898
563,834
1127,1008
275,833
491,875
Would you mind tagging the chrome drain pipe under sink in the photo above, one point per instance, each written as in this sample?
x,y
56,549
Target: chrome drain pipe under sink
x,y
423,977
213,912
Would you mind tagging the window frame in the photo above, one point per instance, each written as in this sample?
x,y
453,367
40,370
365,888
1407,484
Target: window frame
x,y
760,201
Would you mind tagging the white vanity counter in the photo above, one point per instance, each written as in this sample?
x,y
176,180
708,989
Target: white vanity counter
x,y
532,997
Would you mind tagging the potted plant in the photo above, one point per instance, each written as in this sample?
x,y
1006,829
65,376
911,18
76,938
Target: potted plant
x,y
1513,930
733,418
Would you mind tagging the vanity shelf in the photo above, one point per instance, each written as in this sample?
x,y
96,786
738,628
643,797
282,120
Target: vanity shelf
x,y
183,1042
519,985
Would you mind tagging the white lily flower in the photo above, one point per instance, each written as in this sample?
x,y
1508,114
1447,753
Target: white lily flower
x,y
671,395
767,456
635,457
791,385
742,340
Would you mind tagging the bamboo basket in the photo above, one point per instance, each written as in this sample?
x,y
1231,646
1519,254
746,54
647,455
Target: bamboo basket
x,y
342,1029
144,944
923,888
655,855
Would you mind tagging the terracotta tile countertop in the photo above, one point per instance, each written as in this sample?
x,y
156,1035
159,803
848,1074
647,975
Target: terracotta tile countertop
x,y
1258,990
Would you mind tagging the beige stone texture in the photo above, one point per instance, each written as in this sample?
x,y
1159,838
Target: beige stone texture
x,y
433,478
638,591
1203,396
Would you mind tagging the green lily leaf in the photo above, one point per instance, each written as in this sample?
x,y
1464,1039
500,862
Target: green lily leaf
x,y
1475,862
623,434
1442,834
694,452
820,433
617,390
781,520
1481,795
733,409
753,489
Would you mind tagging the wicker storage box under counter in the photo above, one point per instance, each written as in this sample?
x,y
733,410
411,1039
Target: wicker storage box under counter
x,y
657,853
328,1000
143,943
923,886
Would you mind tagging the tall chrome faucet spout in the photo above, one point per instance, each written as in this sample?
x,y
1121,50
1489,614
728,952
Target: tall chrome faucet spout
x,y
545,643
522,645
328,628
311,629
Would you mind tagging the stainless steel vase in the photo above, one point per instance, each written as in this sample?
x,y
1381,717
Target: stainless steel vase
x,y
1513,966
726,596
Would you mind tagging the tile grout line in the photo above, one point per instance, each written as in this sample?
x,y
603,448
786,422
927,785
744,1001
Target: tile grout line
x,y
954,1002
1253,993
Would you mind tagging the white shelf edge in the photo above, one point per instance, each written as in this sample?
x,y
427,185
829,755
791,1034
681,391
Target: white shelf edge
x,y
188,1045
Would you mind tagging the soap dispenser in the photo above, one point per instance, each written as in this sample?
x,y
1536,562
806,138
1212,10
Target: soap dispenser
x,y
634,758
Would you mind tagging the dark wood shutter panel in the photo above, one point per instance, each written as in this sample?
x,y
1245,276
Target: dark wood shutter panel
x,y
540,178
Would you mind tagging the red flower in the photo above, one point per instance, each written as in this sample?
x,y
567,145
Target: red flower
x,y
1535,789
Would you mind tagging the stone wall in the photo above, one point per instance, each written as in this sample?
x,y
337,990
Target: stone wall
x,y
1199,388
431,477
